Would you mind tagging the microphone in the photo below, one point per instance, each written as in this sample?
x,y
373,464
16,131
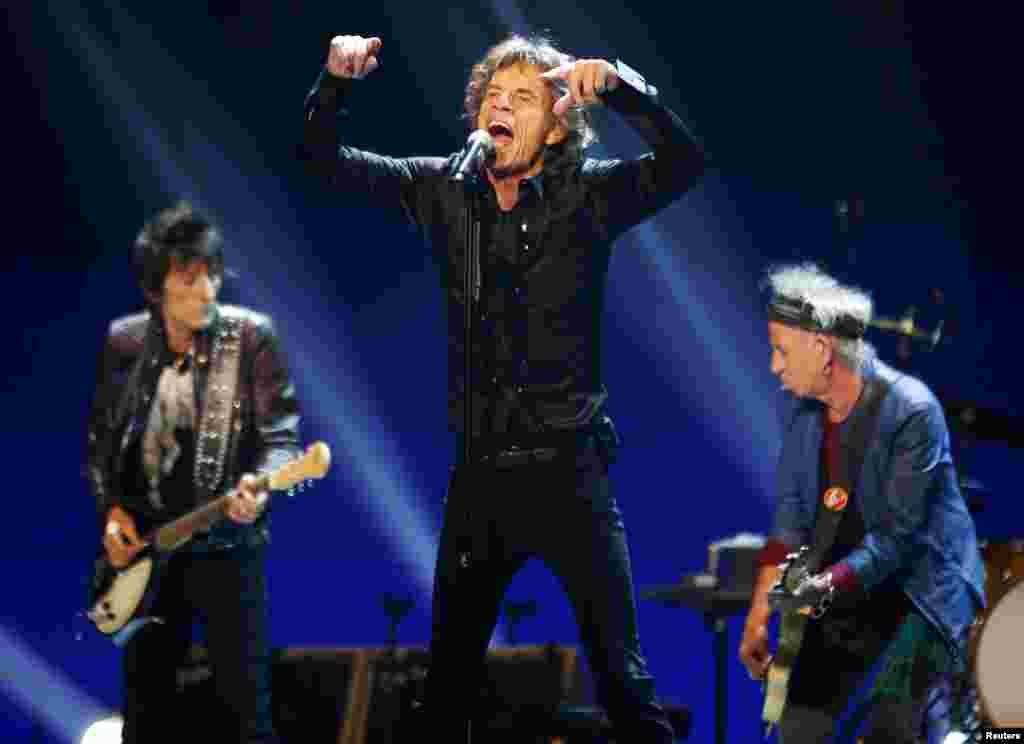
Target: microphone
x,y
479,151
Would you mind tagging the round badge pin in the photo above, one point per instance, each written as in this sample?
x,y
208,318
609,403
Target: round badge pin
x,y
836,499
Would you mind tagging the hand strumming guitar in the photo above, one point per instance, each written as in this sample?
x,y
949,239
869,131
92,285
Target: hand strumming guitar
x,y
754,652
120,538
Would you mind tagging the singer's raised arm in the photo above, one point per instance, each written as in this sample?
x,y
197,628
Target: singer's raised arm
x,y
405,183
634,189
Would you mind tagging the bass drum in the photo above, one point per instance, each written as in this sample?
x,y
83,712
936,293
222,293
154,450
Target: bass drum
x,y
997,658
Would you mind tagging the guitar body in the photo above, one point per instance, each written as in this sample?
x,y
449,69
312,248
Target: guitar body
x,y
791,634
122,598
792,624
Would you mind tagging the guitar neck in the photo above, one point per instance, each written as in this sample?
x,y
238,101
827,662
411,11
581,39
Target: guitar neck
x,y
174,534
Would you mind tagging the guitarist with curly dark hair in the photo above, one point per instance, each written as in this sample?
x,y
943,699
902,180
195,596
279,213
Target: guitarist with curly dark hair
x,y
194,407
877,607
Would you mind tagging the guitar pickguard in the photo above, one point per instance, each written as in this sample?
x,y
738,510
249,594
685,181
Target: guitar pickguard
x,y
118,604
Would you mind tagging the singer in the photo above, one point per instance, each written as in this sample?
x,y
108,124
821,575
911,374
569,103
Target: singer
x,y
542,437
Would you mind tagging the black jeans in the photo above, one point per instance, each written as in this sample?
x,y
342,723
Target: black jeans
x,y
227,590
563,513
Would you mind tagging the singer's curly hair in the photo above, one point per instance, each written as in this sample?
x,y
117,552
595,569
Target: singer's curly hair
x,y
180,233
541,52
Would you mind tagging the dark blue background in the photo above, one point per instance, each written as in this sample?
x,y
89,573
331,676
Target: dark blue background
x,y
113,112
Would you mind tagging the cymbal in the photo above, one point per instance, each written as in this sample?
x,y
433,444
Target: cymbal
x,y
907,327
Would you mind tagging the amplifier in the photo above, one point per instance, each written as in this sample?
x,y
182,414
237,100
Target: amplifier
x,y
332,695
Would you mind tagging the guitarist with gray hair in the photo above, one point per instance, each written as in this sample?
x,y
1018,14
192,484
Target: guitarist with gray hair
x,y
873,560
193,402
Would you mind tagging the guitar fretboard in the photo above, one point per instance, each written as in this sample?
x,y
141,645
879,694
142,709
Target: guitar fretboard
x,y
174,534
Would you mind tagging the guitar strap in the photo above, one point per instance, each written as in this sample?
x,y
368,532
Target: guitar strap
x,y
863,426
220,406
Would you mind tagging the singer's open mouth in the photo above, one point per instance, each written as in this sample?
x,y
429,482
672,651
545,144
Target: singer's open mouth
x,y
501,133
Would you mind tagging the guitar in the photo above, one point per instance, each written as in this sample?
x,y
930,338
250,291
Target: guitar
x,y
791,634
122,595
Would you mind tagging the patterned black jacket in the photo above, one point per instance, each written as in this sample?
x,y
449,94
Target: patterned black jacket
x,y
264,428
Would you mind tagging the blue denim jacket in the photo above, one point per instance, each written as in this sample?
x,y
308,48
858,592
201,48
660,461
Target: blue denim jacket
x,y
919,531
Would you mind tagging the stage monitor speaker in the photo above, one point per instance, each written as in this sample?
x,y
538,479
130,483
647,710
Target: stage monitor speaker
x,y
522,686
314,691
358,695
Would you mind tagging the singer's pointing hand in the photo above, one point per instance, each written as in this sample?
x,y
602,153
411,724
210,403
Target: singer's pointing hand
x,y
353,56
587,80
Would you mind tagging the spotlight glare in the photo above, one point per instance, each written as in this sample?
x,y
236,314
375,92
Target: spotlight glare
x,y
104,731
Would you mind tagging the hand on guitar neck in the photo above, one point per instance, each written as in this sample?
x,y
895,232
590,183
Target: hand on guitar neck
x,y
247,502
121,539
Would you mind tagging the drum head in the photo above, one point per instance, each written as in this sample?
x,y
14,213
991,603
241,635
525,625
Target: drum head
x,y
999,660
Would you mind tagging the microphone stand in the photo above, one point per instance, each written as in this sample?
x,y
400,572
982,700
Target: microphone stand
x,y
471,285
471,296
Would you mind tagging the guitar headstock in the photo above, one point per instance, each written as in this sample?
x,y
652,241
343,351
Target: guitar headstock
x,y
313,464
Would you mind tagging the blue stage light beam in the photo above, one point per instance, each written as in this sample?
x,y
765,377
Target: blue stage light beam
x,y
44,692
511,16
739,410
388,492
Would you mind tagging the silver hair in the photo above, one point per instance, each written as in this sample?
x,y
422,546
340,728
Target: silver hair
x,y
829,301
